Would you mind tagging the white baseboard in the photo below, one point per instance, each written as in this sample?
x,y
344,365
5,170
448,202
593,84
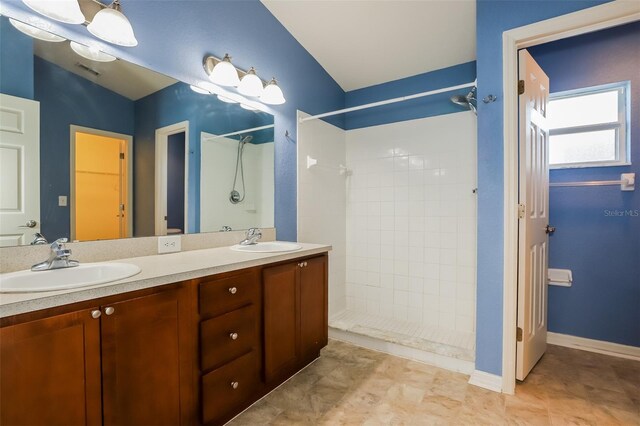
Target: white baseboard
x,y
448,363
484,380
598,346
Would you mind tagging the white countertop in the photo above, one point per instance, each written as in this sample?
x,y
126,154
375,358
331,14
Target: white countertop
x,y
156,270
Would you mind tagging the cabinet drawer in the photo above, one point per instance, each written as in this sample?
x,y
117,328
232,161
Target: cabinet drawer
x,y
219,397
218,296
228,336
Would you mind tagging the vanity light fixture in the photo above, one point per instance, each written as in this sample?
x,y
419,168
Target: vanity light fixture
x,y
272,94
91,53
36,32
224,73
112,26
67,11
250,84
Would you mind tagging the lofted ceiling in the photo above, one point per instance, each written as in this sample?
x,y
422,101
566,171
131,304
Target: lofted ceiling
x,y
366,42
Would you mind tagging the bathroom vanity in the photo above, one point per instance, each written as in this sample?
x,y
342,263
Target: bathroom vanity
x,y
179,351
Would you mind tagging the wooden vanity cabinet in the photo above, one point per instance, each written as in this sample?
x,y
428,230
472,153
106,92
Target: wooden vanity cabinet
x,y
119,362
295,315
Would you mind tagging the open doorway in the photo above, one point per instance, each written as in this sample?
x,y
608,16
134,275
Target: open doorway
x,y
101,195
172,177
589,214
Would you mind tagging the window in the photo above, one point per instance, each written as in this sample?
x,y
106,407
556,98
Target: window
x,y
589,127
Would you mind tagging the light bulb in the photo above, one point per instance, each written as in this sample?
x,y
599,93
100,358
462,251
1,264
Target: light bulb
x,y
251,85
272,94
112,26
224,73
91,53
35,32
67,11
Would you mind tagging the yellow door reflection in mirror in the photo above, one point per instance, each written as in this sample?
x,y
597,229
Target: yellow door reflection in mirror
x,y
100,187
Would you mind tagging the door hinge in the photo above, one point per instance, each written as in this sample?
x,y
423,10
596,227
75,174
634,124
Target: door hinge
x,y
122,155
518,334
520,87
521,211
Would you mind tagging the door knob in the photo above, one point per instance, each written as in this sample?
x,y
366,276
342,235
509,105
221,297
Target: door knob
x,y
550,229
95,314
30,224
109,310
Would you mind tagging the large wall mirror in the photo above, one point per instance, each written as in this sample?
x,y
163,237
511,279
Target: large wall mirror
x,y
94,150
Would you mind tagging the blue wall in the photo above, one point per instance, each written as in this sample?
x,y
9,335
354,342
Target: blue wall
x,y
16,61
175,37
493,17
205,113
409,110
175,181
602,251
67,99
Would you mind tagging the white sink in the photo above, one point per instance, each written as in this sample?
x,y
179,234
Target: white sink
x,y
83,275
268,247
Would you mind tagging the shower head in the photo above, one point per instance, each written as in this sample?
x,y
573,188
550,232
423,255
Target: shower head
x,y
246,139
466,101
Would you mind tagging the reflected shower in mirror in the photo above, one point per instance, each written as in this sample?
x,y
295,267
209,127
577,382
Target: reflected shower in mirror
x,y
113,150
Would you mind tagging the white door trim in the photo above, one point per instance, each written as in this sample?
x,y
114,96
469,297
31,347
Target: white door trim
x,y
160,193
588,20
73,129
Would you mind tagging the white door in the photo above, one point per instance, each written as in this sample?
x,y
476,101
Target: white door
x,y
19,170
533,240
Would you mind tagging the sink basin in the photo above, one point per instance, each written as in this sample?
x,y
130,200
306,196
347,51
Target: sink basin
x,y
268,247
60,279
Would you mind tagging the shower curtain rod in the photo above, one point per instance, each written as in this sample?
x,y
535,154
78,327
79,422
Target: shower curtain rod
x,y
239,132
389,101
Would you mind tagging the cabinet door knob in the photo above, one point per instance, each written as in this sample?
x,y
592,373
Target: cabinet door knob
x,y
305,263
95,314
109,310
300,265
233,290
233,336
234,385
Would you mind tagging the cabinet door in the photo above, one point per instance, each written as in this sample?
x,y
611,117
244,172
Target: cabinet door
x,y
281,320
141,360
313,307
50,371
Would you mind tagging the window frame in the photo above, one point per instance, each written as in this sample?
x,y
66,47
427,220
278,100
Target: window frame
x,y
622,126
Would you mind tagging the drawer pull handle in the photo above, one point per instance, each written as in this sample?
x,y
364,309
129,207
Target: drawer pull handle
x,y
233,336
95,314
234,385
233,290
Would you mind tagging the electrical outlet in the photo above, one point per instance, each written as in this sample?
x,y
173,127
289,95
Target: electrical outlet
x,y
169,244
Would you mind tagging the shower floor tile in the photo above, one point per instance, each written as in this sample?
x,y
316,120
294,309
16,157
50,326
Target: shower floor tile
x,y
449,343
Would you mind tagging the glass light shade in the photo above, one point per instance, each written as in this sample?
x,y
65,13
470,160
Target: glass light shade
x,y
36,32
200,90
251,85
67,11
112,26
272,94
224,73
227,100
248,107
91,53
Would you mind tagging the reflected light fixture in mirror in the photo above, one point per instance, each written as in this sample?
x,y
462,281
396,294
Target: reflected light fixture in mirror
x,y
67,11
250,84
224,73
272,94
248,108
205,88
112,26
91,53
36,32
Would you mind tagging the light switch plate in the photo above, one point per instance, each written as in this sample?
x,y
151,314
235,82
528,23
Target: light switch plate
x,y
169,244
62,200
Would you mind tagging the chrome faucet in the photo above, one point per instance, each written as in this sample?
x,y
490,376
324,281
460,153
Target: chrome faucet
x,y
39,239
253,235
58,258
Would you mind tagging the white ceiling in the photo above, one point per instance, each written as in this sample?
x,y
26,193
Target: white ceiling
x,y
124,78
365,42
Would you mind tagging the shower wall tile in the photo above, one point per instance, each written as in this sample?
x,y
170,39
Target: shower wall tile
x,y
411,221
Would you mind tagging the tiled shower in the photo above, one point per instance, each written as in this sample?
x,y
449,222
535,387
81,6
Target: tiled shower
x,y
410,224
